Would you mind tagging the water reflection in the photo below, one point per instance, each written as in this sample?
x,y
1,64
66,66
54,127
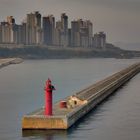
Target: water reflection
x,y
47,134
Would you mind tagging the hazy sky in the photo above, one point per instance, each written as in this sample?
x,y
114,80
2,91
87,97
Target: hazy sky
x,y
120,19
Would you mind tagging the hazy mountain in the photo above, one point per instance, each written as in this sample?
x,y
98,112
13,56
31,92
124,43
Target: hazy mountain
x,y
128,46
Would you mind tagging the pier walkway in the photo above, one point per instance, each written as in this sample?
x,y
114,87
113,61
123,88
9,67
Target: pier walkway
x,y
79,103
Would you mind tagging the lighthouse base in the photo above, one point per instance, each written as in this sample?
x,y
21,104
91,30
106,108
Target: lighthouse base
x,y
44,122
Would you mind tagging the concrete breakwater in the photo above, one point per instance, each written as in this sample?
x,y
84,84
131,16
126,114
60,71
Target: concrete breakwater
x,y
9,61
79,103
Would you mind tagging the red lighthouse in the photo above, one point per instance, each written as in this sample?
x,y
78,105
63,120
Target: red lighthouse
x,y
48,97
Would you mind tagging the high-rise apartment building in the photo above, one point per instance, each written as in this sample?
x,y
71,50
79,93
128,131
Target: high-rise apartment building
x,y
100,40
90,32
69,37
64,29
33,28
19,36
23,33
10,32
81,33
48,29
74,33
7,33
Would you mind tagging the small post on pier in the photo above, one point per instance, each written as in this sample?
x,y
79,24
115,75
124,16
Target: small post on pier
x,y
48,97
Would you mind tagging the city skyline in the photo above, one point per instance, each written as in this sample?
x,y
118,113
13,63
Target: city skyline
x,y
45,30
118,18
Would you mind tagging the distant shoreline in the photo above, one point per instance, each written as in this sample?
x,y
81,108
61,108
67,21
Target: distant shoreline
x,y
53,52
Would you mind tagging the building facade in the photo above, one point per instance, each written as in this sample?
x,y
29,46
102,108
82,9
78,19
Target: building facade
x,y
33,28
100,40
81,33
64,30
48,30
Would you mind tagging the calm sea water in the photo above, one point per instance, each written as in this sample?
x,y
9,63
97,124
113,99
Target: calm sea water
x,y
21,91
